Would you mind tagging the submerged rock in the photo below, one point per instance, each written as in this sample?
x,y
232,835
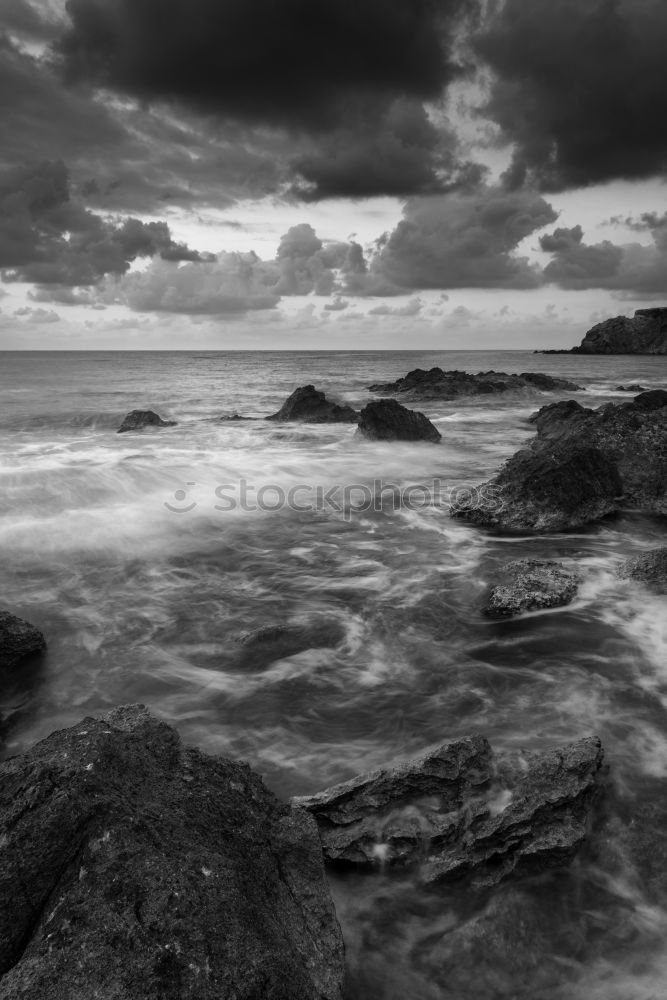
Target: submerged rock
x,y
630,388
649,568
582,465
136,420
438,384
643,333
132,866
463,810
387,420
531,584
18,641
262,646
309,404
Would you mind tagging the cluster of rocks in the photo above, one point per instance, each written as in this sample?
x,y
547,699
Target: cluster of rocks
x,y
583,465
438,384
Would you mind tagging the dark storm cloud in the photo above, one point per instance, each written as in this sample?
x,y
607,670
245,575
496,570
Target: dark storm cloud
x,y
630,268
464,240
579,88
295,62
48,238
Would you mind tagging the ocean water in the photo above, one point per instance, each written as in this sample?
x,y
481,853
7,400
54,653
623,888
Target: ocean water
x,y
135,556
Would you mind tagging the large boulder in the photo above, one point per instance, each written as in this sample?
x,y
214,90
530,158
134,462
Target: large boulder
x,y
132,866
649,569
438,384
463,810
309,404
19,640
531,585
136,420
387,420
643,333
582,465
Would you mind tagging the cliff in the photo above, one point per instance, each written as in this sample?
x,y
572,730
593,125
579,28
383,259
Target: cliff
x,y
644,333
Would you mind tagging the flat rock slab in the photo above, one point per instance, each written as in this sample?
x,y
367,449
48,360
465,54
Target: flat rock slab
x,y
132,866
438,384
530,585
136,420
463,810
388,420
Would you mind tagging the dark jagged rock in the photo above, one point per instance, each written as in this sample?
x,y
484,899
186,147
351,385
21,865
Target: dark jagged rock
x,y
18,641
136,420
649,568
582,465
630,388
309,404
439,384
387,420
132,866
235,418
262,646
644,333
529,585
463,810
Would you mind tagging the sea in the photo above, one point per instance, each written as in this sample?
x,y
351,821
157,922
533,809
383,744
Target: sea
x,y
147,559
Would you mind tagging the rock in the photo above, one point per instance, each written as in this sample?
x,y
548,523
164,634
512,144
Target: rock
x,y
630,388
136,420
463,810
439,384
132,866
19,640
235,417
649,568
387,420
644,333
531,584
309,404
582,465
262,646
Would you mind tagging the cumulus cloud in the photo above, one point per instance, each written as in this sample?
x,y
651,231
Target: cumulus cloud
x,y
39,315
464,240
50,239
579,88
411,308
631,267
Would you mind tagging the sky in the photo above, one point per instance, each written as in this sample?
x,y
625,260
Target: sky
x,y
329,174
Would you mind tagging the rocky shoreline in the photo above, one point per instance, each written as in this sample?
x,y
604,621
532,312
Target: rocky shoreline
x,y
643,333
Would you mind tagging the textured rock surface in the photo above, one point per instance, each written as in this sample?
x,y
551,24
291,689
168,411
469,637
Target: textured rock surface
x,y
438,384
463,810
644,333
531,584
132,866
582,465
261,647
18,640
309,404
136,420
633,387
649,568
21,646
388,420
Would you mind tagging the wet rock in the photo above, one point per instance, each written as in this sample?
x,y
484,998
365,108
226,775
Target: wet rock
x,y
463,810
630,388
136,420
438,384
262,646
582,465
235,418
19,640
387,420
531,584
309,404
132,866
649,568
643,333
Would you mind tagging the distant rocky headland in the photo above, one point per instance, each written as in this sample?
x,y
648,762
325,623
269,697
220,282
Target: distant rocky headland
x,y
643,333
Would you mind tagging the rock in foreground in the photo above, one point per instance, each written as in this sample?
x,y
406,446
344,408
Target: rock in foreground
x,y
649,568
582,465
136,420
463,810
643,333
438,384
309,404
18,641
387,420
530,585
132,866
